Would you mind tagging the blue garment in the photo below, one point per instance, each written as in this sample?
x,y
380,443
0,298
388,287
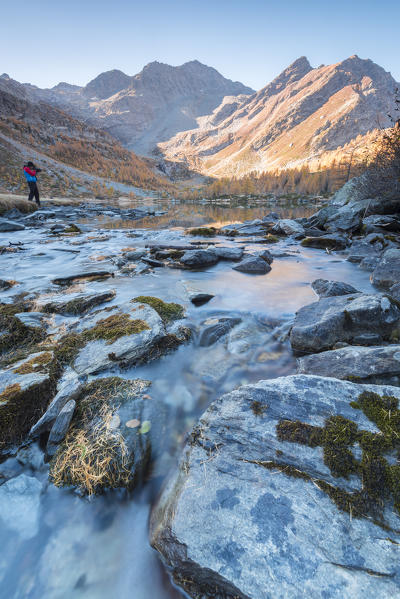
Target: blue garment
x,y
29,177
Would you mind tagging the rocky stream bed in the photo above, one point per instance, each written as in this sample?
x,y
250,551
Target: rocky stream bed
x,y
207,410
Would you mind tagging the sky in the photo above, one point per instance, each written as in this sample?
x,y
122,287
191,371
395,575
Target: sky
x,y
252,41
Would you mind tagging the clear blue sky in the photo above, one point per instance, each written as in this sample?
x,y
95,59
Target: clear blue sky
x,y
47,41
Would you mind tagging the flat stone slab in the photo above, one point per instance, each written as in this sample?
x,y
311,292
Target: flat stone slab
x,y
10,225
246,516
324,288
83,276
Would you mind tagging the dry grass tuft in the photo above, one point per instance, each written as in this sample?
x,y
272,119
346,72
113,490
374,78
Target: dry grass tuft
x,y
93,459
9,202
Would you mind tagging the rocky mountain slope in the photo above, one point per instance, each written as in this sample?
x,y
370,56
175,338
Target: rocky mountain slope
x,y
29,127
301,115
149,107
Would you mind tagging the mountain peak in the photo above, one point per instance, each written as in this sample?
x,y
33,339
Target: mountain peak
x,y
107,84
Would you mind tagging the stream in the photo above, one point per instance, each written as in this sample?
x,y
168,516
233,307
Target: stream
x,y
78,548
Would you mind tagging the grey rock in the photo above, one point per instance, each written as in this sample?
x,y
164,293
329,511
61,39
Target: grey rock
x,y
319,326
215,331
30,319
266,255
387,272
253,265
229,527
325,288
394,291
4,285
153,262
10,225
135,255
199,258
369,263
198,299
363,249
287,226
20,505
229,253
377,365
388,223
60,427
69,387
331,242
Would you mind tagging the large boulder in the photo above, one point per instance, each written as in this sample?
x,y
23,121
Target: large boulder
x,y
377,365
254,265
324,288
261,506
25,390
120,428
359,319
387,271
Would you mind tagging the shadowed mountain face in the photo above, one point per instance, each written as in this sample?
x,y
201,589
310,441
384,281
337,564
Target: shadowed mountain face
x,y
301,115
150,107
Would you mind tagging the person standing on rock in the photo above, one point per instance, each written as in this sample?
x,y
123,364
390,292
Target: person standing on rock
x,y
30,172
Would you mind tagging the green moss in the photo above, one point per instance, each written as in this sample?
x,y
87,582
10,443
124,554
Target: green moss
x,y
167,311
380,480
269,238
115,326
14,332
299,432
72,229
203,232
258,408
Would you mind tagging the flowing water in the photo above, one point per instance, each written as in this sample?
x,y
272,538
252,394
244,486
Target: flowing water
x,y
75,548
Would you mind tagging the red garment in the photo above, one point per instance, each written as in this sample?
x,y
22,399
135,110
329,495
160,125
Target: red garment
x,y
30,172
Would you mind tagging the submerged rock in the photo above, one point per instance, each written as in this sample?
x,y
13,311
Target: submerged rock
x,y
216,330
253,265
325,288
377,365
121,428
198,299
20,505
254,510
359,319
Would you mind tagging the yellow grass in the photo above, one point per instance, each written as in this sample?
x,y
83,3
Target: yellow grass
x,y
8,202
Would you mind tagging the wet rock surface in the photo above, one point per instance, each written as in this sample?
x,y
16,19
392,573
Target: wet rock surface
x,y
387,271
253,265
229,522
324,288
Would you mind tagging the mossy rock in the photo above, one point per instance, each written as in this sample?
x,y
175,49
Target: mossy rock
x,y
26,387
203,232
167,311
14,333
269,238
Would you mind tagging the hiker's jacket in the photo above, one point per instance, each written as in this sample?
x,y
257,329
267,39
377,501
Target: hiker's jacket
x,y
30,174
